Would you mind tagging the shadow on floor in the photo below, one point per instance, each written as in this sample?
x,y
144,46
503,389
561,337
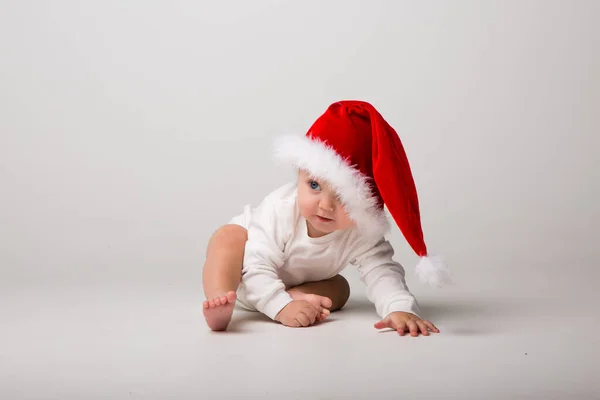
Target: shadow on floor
x,y
245,321
464,316
468,309
456,316
242,320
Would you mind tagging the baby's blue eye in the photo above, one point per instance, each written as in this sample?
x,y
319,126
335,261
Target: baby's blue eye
x,y
314,185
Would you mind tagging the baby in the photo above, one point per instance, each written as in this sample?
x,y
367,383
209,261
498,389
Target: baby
x,y
283,258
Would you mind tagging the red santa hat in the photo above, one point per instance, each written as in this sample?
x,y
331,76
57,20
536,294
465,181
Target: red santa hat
x,y
361,157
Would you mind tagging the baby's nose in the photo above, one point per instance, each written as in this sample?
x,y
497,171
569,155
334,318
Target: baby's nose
x,y
327,204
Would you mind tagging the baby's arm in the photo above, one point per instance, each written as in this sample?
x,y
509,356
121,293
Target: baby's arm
x,y
269,230
387,289
264,255
384,279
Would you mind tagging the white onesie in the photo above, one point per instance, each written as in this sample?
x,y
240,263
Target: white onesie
x,y
279,254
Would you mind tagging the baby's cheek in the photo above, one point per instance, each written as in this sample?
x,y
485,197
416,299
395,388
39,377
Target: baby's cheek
x,y
345,221
304,209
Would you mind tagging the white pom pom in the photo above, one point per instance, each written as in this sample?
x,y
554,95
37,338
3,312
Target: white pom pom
x,y
433,271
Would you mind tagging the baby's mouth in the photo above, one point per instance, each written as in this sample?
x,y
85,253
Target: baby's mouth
x,y
323,219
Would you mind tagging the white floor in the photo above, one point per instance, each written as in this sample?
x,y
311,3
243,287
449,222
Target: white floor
x,y
129,131
501,338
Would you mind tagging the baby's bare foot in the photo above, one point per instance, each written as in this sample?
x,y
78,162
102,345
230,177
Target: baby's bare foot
x,y
217,311
321,302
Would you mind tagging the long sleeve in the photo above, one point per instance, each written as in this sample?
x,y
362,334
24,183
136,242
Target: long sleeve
x,y
384,280
268,231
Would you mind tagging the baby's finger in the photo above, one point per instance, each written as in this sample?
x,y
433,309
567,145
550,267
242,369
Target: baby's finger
x,y
384,323
311,315
412,326
431,327
314,312
423,328
324,313
401,328
321,317
302,319
292,323
308,306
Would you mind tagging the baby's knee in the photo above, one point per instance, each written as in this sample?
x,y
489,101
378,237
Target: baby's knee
x,y
342,288
230,236
231,232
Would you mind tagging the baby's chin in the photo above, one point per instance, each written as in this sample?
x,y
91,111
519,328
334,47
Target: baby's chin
x,y
325,227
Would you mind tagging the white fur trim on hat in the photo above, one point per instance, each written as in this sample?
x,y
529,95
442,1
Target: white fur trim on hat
x,y
432,270
323,162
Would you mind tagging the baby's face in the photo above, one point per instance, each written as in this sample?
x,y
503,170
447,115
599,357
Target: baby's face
x,y
320,206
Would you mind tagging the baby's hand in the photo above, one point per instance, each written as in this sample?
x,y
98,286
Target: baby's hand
x,y
298,313
402,321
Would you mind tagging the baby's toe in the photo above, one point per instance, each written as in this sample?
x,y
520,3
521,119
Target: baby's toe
x,y
231,297
326,302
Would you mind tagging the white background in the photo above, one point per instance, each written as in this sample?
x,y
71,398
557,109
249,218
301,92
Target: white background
x,y
131,130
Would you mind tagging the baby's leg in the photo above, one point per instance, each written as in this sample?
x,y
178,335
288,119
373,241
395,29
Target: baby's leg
x,y
331,294
222,274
